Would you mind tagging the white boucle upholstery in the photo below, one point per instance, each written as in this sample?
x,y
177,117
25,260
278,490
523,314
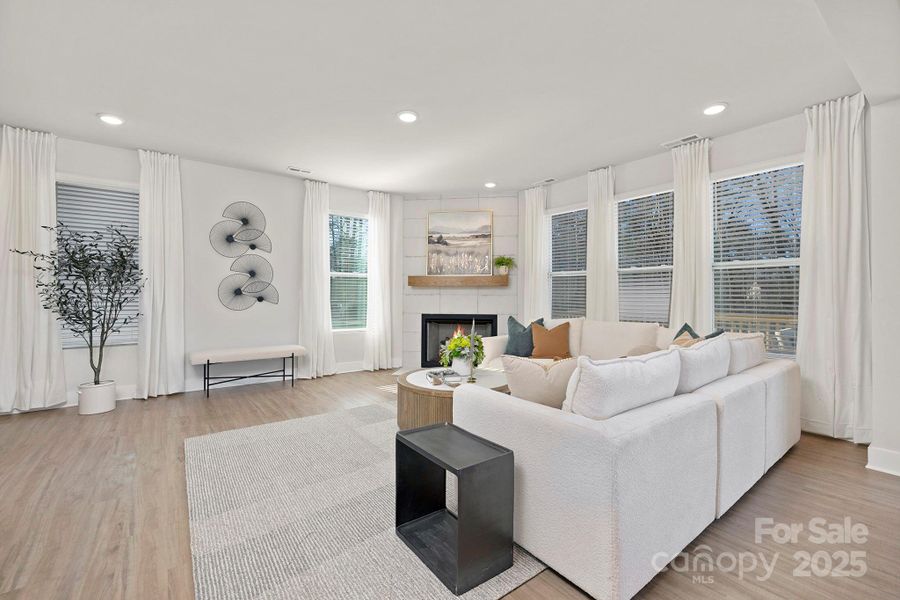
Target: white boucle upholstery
x,y
494,348
603,340
575,326
598,500
605,388
538,380
782,379
741,404
703,363
665,336
241,354
747,350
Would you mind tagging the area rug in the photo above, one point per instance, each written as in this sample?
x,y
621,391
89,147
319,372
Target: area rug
x,y
305,509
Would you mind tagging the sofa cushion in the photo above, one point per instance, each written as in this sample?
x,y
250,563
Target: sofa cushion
x,y
703,363
520,341
641,350
538,380
747,350
605,388
574,332
602,340
551,343
741,406
664,337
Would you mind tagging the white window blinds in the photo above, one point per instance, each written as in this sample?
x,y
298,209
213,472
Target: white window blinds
x,y
88,209
568,264
348,240
756,255
645,258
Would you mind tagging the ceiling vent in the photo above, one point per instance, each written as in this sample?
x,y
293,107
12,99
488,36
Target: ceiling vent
x,y
547,181
293,169
680,141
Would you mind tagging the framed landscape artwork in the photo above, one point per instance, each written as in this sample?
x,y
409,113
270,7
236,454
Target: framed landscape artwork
x,y
460,242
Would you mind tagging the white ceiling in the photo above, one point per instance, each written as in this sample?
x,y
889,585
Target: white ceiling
x,y
512,91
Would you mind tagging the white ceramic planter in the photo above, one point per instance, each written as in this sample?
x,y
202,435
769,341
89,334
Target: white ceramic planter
x,y
94,399
462,366
502,270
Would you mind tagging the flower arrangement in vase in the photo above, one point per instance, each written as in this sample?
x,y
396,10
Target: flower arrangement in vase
x,y
463,353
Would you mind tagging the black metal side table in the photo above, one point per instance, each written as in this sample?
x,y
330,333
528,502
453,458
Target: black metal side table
x,y
466,550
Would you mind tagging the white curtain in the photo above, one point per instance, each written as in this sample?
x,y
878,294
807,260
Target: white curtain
x,y
602,296
32,375
379,323
535,267
692,289
835,332
161,326
315,283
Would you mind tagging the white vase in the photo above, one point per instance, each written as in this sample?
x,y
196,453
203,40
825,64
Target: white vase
x,y
463,366
96,398
504,270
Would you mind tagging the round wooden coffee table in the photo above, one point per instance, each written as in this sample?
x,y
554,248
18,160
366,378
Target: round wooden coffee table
x,y
420,403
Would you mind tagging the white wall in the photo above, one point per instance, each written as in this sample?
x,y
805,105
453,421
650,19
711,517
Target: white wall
x,y
769,145
207,189
416,301
884,452
750,149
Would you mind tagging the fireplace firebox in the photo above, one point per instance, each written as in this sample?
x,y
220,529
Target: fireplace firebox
x,y
436,329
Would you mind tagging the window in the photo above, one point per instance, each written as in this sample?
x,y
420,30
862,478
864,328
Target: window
x,y
645,258
88,209
568,264
756,255
348,242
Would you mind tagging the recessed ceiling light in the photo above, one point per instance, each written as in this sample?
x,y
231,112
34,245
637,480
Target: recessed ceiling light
x,y
407,116
490,185
715,109
110,119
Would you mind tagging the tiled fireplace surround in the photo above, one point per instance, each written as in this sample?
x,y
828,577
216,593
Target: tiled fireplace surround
x,y
502,301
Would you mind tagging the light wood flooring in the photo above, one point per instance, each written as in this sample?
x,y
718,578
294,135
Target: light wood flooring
x,y
95,507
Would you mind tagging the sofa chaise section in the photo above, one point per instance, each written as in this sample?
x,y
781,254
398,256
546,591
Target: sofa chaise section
x,y
605,503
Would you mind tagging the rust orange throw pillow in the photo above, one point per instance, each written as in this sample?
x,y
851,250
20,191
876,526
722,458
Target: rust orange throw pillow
x,y
550,343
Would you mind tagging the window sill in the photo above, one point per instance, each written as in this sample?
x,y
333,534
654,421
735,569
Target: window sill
x,y
82,345
349,330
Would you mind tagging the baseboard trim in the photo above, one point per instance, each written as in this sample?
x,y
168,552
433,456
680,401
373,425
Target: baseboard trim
x,y
817,427
884,461
348,367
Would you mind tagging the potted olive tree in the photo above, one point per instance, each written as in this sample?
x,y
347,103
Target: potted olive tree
x,y
87,280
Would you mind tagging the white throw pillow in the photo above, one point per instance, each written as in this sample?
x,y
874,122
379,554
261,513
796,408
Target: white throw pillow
x,y
703,363
602,389
538,380
575,326
747,350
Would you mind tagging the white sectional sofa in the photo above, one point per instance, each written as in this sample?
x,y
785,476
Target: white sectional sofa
x,y
607,503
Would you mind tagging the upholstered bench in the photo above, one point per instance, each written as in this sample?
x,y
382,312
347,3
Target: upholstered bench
x,y
208,358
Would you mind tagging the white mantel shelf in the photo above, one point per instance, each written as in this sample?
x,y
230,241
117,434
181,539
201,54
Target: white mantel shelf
x,y
458,281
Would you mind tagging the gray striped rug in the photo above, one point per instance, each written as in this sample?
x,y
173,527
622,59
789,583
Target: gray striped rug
x,y
305,509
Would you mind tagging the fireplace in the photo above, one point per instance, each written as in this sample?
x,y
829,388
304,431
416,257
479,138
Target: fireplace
x,y
436,329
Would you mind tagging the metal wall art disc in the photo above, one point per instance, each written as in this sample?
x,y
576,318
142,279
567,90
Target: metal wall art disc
x,y
242,233
223,240
231,294
247,215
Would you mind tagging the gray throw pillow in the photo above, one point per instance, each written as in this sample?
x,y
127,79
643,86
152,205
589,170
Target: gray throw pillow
x,y
520,342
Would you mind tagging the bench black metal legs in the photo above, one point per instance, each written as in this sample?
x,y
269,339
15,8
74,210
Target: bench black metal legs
x,y
209,380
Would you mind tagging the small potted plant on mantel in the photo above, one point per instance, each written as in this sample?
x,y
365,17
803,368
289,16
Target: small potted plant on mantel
x,y
503,264
87,279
